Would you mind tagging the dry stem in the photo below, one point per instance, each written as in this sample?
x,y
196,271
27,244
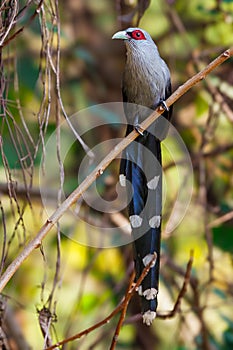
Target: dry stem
x,y
76,194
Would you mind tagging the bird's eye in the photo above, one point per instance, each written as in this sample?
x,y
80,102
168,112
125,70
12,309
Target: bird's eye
x,y
138,35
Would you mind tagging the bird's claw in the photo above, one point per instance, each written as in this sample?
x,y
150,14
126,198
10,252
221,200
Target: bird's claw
x,y
163,104
139,129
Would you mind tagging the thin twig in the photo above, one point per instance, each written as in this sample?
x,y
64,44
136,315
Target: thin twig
x,y
195,302
58,147
122,316
219,98
4,42
199,311
11,22
219,221
76,194
206,136
182,292
130,292
4,239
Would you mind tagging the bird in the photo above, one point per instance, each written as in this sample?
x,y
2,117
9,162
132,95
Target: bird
x,y
146,84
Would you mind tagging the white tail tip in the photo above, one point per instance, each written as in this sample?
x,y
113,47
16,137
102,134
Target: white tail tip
x,y
148,317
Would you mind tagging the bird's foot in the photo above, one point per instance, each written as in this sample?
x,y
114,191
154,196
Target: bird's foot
x,y
163,105
139,129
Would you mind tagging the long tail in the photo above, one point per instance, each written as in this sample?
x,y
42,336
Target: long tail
x,y
141,167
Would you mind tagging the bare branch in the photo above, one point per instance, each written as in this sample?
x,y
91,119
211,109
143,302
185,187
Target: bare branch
x,y
76,194
219,221
133,287
4,42
11,22
123,313
182,292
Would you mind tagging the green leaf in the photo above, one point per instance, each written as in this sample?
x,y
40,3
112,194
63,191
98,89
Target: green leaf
x,y
220,293
228,321
223,238
228,339
89,302
201,104
204,10
28,72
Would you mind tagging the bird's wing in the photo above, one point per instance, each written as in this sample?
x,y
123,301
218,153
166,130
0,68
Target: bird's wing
x,y
141,167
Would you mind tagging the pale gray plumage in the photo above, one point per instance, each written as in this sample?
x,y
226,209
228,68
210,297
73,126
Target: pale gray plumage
x,y
146,75
146,82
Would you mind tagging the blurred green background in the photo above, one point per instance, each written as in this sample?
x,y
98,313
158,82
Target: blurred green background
x,y
65,53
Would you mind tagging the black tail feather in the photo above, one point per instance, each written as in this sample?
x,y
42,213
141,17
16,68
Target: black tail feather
x,y
141,166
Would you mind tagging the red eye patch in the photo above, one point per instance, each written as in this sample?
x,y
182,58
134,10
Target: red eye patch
x,y
138,35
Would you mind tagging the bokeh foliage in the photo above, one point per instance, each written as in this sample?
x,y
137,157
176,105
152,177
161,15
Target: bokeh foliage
x,y
65,52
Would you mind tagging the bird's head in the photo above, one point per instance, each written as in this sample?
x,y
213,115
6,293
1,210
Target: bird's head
x,y
134,37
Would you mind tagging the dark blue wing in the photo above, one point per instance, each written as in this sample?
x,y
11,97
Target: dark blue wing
x,y
141,167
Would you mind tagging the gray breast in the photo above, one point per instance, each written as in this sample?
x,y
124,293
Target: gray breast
x,y
144,80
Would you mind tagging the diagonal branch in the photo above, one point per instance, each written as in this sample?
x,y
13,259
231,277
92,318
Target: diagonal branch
x,y
77,193
132,288
187,277
5,41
